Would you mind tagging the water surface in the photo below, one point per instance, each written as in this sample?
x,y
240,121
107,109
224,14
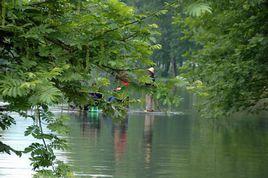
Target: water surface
x,y
155,146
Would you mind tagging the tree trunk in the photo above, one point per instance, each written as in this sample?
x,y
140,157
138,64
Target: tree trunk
x,y
166,69
175,70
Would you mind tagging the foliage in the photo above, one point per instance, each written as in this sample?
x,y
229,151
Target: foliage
x,y
5,122
62,50
42,154
164,92
169,57
62,170
197,9
229,63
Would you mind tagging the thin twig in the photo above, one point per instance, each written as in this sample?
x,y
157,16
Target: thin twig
x,y
41,130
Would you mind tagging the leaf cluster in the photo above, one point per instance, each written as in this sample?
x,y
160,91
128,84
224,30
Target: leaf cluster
x,y
5,122
60,51
230,58
42,153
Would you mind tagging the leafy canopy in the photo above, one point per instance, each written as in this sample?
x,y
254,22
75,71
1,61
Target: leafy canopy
x,y
228,67
56,51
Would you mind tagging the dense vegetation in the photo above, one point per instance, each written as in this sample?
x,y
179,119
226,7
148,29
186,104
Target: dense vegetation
x,y
225,46
59,51
229,65
170,57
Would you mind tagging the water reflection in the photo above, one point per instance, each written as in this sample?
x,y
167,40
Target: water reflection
x,y
159,146
155,146
120,139
90,125
148,137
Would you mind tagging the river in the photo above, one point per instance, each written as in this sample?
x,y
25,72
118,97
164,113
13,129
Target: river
x,y
154,146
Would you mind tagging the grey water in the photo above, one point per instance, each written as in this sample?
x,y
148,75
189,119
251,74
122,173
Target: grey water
x,y
154,146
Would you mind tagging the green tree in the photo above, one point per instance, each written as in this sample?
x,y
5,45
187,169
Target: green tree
x,y
56,51
229,67
170,56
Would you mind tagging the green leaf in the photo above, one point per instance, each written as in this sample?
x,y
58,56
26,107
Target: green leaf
x,y
198,9
7,149
6,121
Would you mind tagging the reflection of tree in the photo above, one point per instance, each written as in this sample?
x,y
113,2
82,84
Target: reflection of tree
x,y
176,146
120,139
231,146
90,125
148,136
92,147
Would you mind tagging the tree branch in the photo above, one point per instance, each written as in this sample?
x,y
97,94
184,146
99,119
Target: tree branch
x,y
61,44
167,6
40,3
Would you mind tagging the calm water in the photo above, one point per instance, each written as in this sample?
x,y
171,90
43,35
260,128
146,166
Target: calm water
x,y
155,146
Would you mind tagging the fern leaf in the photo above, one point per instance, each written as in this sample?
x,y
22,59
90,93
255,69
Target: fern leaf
x,y
198,9
11,87
46,95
